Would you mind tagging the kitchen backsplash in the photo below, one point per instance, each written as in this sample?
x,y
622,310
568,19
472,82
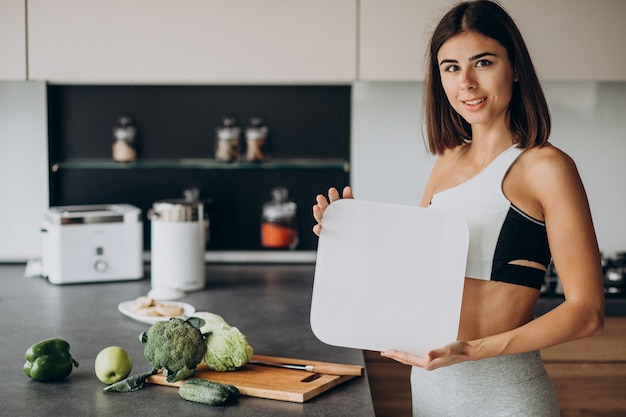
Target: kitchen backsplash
x,y
388,158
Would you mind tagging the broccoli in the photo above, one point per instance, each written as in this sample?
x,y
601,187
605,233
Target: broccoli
x,y
176,346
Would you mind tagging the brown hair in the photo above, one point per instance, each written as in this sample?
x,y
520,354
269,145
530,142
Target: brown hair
x,y
529,118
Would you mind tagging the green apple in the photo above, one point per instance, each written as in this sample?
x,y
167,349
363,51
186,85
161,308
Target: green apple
x,y
113,364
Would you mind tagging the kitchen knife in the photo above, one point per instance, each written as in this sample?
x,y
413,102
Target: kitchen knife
x,y
326,368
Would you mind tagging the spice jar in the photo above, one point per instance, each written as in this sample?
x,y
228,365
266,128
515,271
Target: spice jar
x,y
124,135
227,141
256,135
278,221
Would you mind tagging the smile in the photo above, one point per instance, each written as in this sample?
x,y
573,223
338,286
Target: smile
x,y
474,102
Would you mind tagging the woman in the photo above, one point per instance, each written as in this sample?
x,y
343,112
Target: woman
x,y
524,203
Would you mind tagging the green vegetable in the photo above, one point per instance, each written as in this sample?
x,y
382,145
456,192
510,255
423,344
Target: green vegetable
x,y
227,347
208,392
212,322
176,346
130,384
49,360
227,350
233,391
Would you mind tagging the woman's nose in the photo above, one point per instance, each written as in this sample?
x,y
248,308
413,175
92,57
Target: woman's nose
x,y
468,82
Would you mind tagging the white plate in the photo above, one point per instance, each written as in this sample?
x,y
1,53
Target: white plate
x,y
126,308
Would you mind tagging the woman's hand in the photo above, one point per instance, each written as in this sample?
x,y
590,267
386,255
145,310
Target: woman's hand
x,y
323,203
450,354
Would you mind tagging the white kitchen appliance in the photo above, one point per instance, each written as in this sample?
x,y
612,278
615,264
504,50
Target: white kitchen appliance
x,y
92,243
178,239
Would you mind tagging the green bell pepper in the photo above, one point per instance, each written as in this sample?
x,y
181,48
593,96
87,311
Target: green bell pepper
x,y
49,360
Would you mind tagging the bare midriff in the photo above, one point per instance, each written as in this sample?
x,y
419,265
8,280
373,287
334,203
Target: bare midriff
x,y
492,307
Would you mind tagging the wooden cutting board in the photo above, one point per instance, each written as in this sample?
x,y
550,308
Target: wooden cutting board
x,y
270,382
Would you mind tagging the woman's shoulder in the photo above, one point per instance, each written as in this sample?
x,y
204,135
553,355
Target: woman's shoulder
x,y
546,159
546,167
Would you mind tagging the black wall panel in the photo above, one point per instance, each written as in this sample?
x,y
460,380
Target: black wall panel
x,y
179,122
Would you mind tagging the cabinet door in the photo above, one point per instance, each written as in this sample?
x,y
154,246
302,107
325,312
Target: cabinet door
x,y
13,40
192,41
574,40
23,169
568,39
393,38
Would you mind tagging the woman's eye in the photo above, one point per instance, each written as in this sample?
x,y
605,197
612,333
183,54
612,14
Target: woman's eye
x,y
451,68
483,63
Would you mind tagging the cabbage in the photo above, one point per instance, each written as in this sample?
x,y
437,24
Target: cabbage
x,y
212,322
227,350
227,347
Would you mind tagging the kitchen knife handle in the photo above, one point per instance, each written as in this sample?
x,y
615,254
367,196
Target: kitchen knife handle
x,y
338,369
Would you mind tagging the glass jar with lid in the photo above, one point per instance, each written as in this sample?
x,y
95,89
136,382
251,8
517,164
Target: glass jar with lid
x,y
278,221
227,142
124,140
256,135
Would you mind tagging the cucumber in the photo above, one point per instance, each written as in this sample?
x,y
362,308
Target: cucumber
x,y
207,392
233,391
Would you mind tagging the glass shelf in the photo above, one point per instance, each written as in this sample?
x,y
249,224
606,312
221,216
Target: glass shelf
x,y
202,164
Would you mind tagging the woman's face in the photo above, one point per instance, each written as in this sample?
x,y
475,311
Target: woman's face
x,y
477,77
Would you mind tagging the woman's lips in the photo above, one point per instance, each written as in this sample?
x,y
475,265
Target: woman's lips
x,y
474,102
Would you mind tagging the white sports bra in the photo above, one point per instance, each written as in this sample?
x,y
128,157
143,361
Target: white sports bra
x,y
499,232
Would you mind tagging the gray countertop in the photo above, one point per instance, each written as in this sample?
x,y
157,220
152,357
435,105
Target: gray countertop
x,y
269,303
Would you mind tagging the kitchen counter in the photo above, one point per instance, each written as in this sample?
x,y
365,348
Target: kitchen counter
x,y
269,303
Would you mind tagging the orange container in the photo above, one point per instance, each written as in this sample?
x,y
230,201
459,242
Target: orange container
x,y
277,236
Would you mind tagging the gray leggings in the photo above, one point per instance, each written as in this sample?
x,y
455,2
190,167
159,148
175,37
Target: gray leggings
x,y
510,385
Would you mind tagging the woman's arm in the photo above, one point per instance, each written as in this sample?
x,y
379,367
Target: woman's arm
x,y
556,186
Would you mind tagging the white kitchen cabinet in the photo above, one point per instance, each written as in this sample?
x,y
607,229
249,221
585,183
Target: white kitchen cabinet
x,y
13,40
23,169
574,40
192,41
393,38
569,40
